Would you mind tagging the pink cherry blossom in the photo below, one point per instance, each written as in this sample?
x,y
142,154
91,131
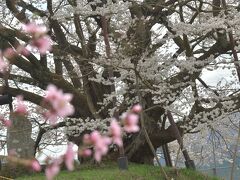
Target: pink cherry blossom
x,y
6,123
35,165
21,108
131,123
32,28
59,104
39,38
3,65
101,147
69,157
91,138
95,136
23,50
100,144
53,169
115,131
137,108
43,44
85,152
98,155
52,117
9,53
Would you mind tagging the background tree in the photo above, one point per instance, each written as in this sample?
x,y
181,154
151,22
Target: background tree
x,y
104,53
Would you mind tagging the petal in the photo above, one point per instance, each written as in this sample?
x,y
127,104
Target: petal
x,y
137,108
69,157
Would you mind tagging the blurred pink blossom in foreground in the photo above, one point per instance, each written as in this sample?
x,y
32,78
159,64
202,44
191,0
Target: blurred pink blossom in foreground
x,y
23,50
12,53
9,53
6,123
39,38
131,123
43,44
21,108
59,104
85,152
35,165
33,28
137,108
3,65
115,131
99,142
53,169
130,119
69,157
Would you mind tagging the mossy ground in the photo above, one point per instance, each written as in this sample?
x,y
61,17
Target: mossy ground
x,y
110,171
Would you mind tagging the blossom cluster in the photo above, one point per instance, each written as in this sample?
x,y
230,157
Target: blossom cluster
x,y
58,104
39,40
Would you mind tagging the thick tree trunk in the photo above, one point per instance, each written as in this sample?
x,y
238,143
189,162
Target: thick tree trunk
x,y
143,155
19,137
136,147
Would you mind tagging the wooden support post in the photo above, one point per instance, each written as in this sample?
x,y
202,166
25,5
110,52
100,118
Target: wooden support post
x,y
167,156
188,162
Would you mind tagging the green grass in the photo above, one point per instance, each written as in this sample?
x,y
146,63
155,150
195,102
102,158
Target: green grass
x,y
111,172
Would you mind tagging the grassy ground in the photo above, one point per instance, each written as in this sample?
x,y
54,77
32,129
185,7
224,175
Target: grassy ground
x,y
111,172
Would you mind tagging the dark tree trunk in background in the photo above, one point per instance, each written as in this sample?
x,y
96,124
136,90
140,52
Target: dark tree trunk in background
x,y
143,155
